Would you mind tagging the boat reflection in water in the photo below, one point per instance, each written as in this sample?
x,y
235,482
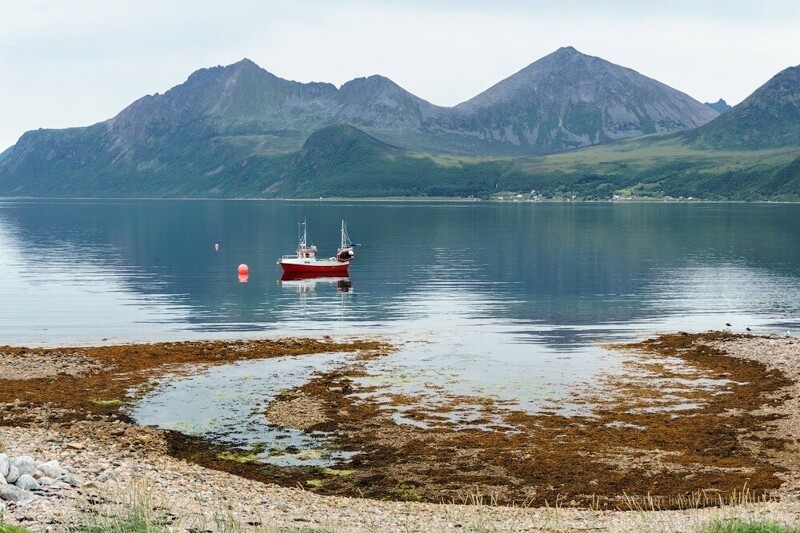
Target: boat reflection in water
x,y
314,305
305,284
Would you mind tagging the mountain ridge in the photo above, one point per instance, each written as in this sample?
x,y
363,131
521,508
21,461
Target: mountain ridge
x,y
241,130
586,100
243,98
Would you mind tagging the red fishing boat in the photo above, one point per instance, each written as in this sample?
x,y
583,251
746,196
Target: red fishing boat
x,y
305,262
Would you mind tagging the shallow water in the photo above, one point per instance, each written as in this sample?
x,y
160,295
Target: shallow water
x,y
504,300
227,404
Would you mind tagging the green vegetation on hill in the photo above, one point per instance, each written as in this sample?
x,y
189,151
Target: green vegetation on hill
x,y
659,166
343,161
768,118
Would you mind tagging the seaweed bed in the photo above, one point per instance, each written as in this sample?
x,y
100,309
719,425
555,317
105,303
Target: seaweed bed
x,y
684,422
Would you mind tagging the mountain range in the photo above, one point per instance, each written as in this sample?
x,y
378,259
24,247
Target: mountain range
x,y
242,131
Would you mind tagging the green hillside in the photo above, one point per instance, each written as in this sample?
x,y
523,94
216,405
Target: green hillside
x,y
343,161
768,118
657,166
69,165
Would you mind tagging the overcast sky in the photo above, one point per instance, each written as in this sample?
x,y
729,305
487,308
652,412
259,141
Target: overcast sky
x,y
74,63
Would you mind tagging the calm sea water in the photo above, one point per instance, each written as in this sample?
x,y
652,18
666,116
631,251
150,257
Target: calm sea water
x,y
502,299
558,275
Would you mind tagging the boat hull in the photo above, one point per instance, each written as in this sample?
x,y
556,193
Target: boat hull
x,y
338,269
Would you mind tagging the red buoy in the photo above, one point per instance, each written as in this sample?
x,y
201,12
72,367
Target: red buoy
x,y
243,278
243,270
216,247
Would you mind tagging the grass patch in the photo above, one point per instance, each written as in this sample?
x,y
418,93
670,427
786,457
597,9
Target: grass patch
x,y
135,513
747,526
12,529
7,528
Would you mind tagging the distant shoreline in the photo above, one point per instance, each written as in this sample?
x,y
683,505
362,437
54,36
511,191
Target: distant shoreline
x,y
400,199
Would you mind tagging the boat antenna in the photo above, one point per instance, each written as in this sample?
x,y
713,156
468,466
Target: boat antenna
x,y
302,233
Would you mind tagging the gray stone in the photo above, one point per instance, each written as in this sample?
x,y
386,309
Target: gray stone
x,y
4,464
51,469
3,480
10,493
106,476
27,482
13,474
24,464
69,479
45,481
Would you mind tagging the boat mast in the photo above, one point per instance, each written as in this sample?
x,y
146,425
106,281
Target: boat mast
x,y
304,236
344,232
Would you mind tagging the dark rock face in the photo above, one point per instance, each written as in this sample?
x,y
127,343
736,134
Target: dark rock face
x,y
720,106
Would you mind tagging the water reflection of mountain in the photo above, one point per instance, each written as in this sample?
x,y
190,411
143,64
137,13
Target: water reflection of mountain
x,y
529,265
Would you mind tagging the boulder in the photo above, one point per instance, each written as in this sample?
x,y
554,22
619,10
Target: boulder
x,y
24,464
13,474
51,469
3,480
5,463
45,481
69,479
27,482
106,475
13,494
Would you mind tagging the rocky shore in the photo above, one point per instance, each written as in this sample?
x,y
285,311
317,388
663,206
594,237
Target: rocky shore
x,y
194,498
90,462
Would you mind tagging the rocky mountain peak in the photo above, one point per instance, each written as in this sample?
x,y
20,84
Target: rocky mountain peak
x,y
245,63
568,99
720,106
